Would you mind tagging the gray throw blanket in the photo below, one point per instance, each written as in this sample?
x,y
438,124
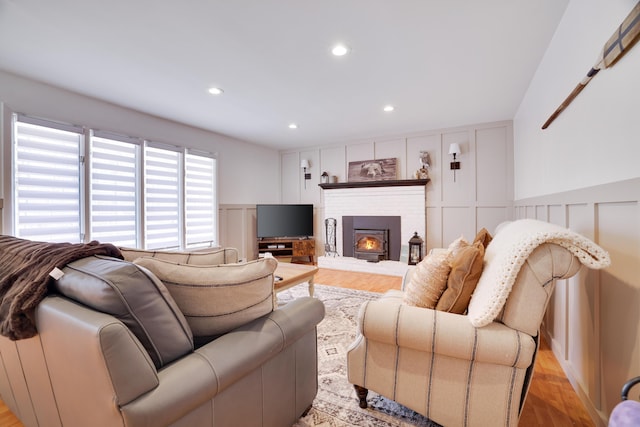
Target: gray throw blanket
x,y
24,277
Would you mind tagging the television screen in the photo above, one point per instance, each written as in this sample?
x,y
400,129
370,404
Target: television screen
x,y
284,220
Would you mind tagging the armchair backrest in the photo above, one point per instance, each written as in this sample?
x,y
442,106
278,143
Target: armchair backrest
x,y
527,302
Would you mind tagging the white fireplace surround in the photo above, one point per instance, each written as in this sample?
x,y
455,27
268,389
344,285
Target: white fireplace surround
x,y
408,202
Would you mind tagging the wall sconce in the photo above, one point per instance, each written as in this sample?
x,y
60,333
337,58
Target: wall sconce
x,y
304,164
455,150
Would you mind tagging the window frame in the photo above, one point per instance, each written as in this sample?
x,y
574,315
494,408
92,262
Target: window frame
x,y
85,181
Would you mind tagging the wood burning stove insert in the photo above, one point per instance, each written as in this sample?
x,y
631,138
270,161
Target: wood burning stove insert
x,y
371,244
390,226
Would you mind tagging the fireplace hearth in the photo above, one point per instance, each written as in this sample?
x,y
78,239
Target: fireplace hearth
x,y
371,244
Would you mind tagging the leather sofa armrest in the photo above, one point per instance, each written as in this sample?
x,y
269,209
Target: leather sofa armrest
x,y
389,321
92,359
219,364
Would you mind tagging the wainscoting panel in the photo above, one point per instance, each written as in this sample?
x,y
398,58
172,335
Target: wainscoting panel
x,y
455,223
238,230
434,228
593,321
490,217
619,297
582,325
237,225
493,151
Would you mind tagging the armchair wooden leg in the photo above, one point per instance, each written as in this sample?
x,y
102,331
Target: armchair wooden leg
x,y
362,395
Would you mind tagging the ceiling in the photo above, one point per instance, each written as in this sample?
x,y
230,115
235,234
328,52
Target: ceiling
x,y
440,63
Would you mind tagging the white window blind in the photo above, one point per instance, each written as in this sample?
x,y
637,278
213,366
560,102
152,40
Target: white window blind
x,y
114,189
162,183
46,197
200,202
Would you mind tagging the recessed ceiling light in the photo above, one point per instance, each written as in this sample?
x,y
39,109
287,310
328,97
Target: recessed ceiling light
x,y
340,50
388,108
293,126
216,91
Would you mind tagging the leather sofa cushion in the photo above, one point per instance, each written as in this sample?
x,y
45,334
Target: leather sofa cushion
x,y
134,296
210,257
218,298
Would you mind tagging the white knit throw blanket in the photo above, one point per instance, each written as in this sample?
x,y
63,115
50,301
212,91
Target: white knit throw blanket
x,y
508,251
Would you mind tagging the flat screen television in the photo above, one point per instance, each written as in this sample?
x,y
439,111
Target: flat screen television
x,y
284,221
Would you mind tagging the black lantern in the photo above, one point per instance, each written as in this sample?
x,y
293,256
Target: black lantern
x,y
415,249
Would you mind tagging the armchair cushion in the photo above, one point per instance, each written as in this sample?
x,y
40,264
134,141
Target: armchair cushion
x,y
466,268
209,257
135,297
217,298
428,281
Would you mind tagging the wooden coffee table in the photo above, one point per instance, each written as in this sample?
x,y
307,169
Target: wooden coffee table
x,y
294,274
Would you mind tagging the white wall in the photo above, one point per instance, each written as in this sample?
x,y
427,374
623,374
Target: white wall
x,y
582,172
595,140
247,173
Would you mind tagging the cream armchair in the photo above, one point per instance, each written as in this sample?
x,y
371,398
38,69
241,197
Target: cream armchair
x,y
471,369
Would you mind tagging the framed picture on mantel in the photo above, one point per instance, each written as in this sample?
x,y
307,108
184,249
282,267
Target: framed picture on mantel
x,y
372,170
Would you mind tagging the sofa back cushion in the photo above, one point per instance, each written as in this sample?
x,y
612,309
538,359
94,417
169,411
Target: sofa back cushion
x,y
217,298
134,296
206,257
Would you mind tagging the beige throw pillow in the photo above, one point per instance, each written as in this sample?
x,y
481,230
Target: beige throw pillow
x,y
217,299
466,268
428,281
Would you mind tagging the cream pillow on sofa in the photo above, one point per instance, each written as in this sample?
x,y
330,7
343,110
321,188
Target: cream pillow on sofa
x,y
205,257
216,299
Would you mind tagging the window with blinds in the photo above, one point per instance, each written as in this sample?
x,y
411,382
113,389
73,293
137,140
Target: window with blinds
x,y
113,189
47,177
162,183
134,194
200,202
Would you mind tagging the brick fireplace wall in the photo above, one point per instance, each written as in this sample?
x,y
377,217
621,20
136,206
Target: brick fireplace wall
x,y
408,202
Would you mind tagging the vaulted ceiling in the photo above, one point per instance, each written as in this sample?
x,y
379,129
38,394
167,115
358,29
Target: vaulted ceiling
x,y
439,63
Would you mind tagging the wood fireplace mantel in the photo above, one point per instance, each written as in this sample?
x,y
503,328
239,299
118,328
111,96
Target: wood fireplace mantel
x,y
368,184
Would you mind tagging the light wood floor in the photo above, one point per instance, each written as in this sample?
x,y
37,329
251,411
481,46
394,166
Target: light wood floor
x,y
551,401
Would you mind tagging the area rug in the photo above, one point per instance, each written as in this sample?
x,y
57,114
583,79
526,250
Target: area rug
x,y
336,404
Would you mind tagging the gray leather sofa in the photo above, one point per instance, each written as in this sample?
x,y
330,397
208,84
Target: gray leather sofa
x,y
87,368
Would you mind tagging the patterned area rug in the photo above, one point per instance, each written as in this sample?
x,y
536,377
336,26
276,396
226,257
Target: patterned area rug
x,y
336,404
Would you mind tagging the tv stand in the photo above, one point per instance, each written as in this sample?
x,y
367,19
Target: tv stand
x,y
300,250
